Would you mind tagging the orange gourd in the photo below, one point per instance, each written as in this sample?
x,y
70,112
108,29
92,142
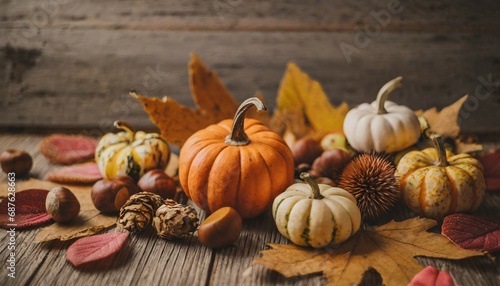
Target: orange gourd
x,y
435,183
238,163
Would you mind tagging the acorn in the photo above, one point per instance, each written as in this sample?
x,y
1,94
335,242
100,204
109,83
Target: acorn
x,y
370,179
62,205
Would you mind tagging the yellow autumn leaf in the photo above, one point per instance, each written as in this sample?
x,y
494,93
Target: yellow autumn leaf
x,y
304,108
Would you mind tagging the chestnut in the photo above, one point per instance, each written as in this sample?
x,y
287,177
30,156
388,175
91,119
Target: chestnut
x,y
158,182
222,228
109,195
305,150
331,163
62,205
16,161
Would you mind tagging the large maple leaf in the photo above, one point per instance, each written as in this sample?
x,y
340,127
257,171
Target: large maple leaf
x,y
213,102
390,249
304,108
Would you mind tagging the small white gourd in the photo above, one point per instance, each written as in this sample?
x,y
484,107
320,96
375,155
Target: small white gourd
x,y
316,215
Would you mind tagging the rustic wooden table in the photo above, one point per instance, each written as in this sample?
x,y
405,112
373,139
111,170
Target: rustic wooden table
x,y
150,260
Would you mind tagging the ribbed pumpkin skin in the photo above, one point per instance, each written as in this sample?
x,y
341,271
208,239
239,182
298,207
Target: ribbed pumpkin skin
x,y
128,154
316,222
247,178
434,191
368,131
382,126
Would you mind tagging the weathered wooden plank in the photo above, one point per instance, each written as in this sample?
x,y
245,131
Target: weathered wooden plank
x,y
322,15
149,260
81,78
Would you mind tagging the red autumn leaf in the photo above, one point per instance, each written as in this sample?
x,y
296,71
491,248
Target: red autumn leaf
x,y
430,276
68,149
491,169
25,209
472,232
84,173
97,248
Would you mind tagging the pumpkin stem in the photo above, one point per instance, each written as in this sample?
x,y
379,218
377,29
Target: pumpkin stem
x,y
384,92
120,124
438,144
312,183
238,137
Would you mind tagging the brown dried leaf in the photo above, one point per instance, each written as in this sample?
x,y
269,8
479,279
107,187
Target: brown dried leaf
x,y
444,122
467,147
177,122
90,221
390,249
303,107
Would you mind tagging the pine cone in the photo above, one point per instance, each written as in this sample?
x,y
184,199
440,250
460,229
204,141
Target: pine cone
x,y
175,220
138,212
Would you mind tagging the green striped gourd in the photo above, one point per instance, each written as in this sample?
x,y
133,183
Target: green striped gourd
x,y
131,153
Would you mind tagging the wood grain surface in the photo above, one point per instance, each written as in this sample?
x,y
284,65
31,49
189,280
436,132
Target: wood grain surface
x,y
68,64
150,260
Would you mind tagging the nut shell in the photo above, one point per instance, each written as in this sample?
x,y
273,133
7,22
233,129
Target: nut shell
x,y
109,195
137,213
305,150
222,228
16,161
158,182
62,205
175,220
330,163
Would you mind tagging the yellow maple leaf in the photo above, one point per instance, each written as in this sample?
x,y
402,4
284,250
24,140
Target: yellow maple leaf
x,y
304,108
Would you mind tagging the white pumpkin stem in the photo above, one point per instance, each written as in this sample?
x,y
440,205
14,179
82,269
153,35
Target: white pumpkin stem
x,y
120,124
441,150
238,137
312,183
384,92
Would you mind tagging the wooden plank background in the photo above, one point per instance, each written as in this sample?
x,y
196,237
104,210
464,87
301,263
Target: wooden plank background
x,y
150,260
68,64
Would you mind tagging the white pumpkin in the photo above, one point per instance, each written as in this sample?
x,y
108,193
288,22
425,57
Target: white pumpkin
x,y
316,215
382,126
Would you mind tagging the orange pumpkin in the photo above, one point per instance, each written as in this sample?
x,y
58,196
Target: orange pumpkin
x,y
435,183
238,163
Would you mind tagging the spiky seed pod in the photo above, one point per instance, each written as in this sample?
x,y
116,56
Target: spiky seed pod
x,y
175,220
138,212
370,179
